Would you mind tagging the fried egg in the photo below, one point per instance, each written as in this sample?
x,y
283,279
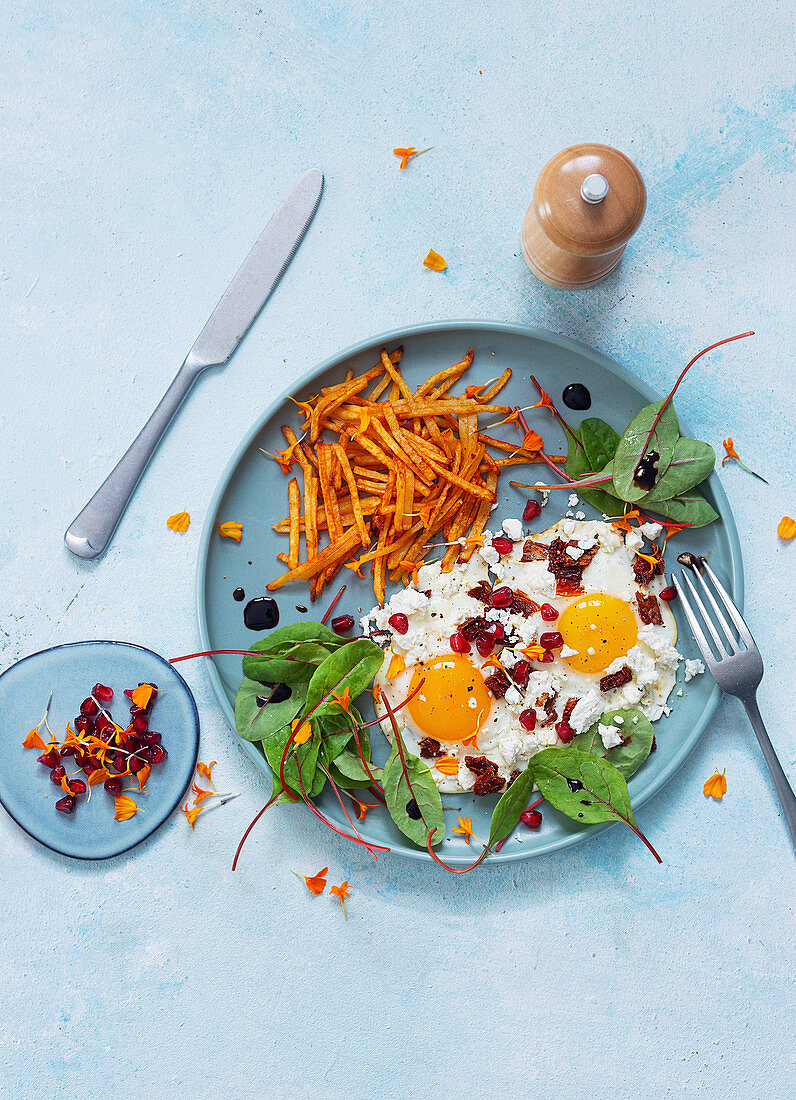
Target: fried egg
x,y
616,648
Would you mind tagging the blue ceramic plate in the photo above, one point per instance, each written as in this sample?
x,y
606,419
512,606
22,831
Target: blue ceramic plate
x,y
71,671
253,492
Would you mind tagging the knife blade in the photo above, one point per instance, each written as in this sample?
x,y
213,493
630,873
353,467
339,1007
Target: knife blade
x,y
90,532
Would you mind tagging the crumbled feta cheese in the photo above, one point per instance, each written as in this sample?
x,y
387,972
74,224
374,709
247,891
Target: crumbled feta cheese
x,y
610,736
566,651
586,711
489,554
571,513
650,530
574,552
513,697
544,494
513,529
679,693
692,669
633,540
618,720
580,515
574,500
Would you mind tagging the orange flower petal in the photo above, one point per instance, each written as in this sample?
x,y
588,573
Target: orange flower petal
x,y
397,666
99,775
534,652
448,765
344,700
465,827
786,528
124,808
532,441
179,522
142,776
341,892
316,884
362,807
302,731
729,447
434,262
716,786
231,530
142,695
34,741
206,770
191,814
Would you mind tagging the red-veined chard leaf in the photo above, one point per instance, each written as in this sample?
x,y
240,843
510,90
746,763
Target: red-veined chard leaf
x,y
585,787
578,465
688,508
352,667
628,757
636,441
253,721
512,802
691,463
407,778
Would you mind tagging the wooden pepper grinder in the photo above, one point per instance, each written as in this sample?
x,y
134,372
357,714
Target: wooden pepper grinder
x,y
588,202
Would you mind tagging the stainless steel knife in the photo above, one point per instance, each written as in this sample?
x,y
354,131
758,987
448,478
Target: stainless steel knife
x,y
90,533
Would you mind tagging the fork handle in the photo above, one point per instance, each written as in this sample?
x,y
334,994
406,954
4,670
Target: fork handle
x,y
91,531
784,789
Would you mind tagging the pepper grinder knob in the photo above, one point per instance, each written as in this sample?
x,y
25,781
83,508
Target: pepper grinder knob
x,y
588,202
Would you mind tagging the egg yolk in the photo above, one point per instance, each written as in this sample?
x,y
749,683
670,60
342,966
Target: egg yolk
x,y
453,703
601,628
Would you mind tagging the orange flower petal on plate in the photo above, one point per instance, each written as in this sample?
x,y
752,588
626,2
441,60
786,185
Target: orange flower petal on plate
x,y
34,741
124,808
362,807
231,530
465,827
434,262
448,765
729,447
786,528
179,522
142,776
532,441
142,695
397,666
716,786
344,700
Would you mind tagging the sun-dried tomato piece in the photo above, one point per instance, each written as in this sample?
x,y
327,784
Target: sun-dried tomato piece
x,y
643,571
489,784
616,679
648,609
522,604
569,706
498,683
547,703
534,551
429,748
480,765
482,592
516,773
567,571
471,628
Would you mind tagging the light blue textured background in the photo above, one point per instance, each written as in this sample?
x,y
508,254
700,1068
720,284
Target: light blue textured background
x,y
143,145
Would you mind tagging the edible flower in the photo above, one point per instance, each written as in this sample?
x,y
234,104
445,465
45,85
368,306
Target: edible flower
x,y
231,530
494,662
407,154
434,262
206,771
142,695
341,892
545,402
716,786
625,523
124,808
465,827
729,447
448,765
786,528
343,700
143,775
316,884
534,652
412,567
397,666
179,522
302,731
532,441
34,739
191,814
362,807
672,530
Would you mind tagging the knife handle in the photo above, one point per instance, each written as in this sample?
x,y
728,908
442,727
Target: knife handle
x,y
90,532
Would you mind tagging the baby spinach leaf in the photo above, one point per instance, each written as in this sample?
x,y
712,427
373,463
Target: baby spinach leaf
x,y
599,441
628,757
278,792
276,669
352,667
578,465
689,507
282,658
421,789
337,729
351,767
512,803
633,442
692,462
274,746
585,787
253,721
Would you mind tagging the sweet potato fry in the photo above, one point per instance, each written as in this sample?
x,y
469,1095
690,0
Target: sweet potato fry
x,y
356,508
335,552
294,503
395,374
449,373
492,391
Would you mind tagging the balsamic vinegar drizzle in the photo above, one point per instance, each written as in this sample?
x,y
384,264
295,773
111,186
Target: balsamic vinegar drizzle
x,y
261,613
576,397
647,471
239,595
278,695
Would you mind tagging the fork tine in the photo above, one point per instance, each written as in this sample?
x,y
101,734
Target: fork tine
x,y
721,647
693,622
725,626
732,610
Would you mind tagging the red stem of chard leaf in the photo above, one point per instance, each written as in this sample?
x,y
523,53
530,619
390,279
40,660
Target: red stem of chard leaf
x,y
331,606
270,802
683,373
399,743
345,811
330,825
453,870
559,417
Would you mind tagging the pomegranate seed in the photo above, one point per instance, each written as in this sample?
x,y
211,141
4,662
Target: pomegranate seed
x,y
502,545
342,624
57,774
77,786
66,804
128,693
551,639
532,510
89,765
528,719
152,738
137,710
140,723
668,594
50,758
157,754
89,708
113,785
520,672
119,763
399,623
459,643
136,764
484,645
103,721
548,612
103,693
565,732
502,597
84,724
68,750
496,631
531,818
547,656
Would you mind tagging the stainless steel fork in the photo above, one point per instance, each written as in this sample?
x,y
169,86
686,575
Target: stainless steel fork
x,y
736,670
